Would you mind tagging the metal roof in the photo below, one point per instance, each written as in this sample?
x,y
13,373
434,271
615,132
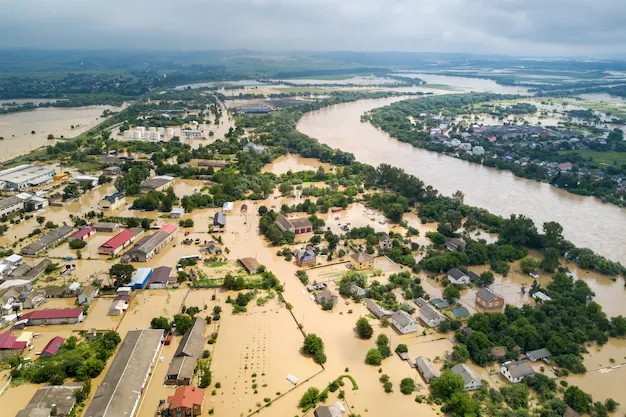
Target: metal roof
x,y
24,173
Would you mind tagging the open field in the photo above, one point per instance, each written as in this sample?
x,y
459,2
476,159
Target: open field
x,y
609,157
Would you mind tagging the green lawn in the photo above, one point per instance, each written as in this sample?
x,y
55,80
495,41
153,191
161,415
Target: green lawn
x,y
602,157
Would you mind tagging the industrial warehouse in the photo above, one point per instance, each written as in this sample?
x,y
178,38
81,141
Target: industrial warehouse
x,y
24,176
121,388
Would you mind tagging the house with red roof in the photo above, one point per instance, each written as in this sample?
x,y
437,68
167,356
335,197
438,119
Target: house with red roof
x,y
565,166
118,242
52,347
9,346
54,316
83,234
186,401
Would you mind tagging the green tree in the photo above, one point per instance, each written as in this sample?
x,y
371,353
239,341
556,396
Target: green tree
x,y
314,346
550,260
160,323
182,322
77,244
578,399
460,354
451,293
91,368
445,385
516,395
122,274
529,265
364,328
485,279
407,386
373,357
309,398
461,404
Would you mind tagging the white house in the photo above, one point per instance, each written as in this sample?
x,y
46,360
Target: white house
x,y
430,316
471,380
456,276
403,322
516,371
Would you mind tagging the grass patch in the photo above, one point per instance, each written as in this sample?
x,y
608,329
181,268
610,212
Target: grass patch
x,y
440,87
601,157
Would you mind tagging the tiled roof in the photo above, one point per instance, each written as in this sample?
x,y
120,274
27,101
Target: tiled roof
x,y
56,313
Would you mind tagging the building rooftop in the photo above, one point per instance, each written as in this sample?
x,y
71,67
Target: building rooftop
x,y
536,355
177,210
83,232
23,173
250,264
114,197
219,219
402,318
361,257
192,342
460,312
430,312
53,345
148,243
122,385
160,275
8,341
140,276
60,397
118,240
439,303
55,313
486,295
456,273
426,367
467,373
186,397
519,369
156,182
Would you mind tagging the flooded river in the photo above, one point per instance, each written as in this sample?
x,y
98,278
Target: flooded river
x,y
586,221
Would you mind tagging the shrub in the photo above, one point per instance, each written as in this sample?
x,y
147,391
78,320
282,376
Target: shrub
x,y
407,386
374,357
364,328
77,244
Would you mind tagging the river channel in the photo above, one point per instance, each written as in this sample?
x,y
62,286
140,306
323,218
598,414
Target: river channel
x,y
586,221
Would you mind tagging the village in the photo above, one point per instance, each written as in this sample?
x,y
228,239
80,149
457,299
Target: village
x,y
156,289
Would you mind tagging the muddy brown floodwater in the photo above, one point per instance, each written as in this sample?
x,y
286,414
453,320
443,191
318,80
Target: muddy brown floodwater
x,y
16,127
586,221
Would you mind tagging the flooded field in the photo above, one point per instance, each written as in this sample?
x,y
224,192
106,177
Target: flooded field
x,y
16,127
294,163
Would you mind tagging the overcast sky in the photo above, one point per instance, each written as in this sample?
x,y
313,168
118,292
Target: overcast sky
x,y
514,27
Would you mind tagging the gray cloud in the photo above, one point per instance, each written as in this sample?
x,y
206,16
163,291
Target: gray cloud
x,y
528,27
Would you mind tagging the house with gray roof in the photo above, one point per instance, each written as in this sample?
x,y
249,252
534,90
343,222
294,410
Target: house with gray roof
x,y
403,322
377,310
430,316
471,380
439,303
47,240
539,354
189,351
59,397
426,368
458,277
357,291
516,371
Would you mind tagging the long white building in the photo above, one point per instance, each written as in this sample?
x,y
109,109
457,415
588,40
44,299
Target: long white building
x,y
24,176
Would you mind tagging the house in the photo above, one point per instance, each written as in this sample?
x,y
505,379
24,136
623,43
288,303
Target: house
x,y
124,291
487,300
540,296
498,352
565,166
177,213
9,301
460,313
305,257
295,226
117,243
52,347
60,398
54,316
426,368
219,221
376,310
140,279
149,246
186,402
473,276
327,411
253,147
72,289
455,244
539,354
458,277
34,299
420,302
180,371
385,242
471,381
113,201
10,347
361,261
118,394
119,305
87,296
86,181
430,316
357,291
47,240
105,227
439,303
403,322
250,264
160,277
324,296
83,234
112,171
158,183
516,371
